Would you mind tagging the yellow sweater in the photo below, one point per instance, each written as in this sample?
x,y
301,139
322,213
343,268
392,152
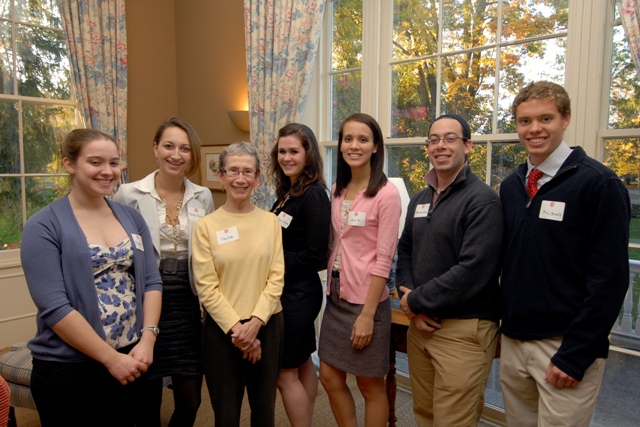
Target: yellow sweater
x,y
239,276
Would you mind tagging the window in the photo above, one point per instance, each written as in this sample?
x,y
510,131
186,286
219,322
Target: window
x,y
36,111
417,59
408,61
621,139
446,56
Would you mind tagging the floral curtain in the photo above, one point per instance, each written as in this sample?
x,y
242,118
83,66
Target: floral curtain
x,y
97,39
282,39
629,11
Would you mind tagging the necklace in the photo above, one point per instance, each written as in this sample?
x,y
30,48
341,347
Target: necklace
x,y
173,211
281,204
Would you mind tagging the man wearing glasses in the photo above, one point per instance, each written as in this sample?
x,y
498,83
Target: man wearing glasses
x,y
448,267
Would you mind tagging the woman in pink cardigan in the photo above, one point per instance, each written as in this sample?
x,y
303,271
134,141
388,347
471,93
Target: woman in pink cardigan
x,y
354,338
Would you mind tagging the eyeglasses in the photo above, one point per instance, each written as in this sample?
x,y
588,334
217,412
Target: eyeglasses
x,y
247,173
449,139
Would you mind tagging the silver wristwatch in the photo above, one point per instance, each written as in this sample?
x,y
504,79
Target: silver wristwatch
x,y
152,328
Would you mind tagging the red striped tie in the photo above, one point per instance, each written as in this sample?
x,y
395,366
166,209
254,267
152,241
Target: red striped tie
x,y
532,182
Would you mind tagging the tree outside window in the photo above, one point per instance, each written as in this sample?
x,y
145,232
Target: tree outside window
x,y
36,112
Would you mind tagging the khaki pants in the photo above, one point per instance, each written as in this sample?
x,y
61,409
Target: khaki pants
x,y
530,401
449,369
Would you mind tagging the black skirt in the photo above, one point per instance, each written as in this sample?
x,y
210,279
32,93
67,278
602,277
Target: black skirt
x,y
178,348
301,302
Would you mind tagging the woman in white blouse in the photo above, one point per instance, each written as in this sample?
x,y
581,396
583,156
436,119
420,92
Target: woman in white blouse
x,y
171,205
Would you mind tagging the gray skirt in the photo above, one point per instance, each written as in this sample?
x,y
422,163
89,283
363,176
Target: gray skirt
x,y
335,337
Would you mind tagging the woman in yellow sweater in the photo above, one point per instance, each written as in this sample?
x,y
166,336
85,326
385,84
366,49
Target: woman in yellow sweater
x,y
238,265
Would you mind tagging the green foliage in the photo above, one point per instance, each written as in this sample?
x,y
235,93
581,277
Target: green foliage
x,y
42,72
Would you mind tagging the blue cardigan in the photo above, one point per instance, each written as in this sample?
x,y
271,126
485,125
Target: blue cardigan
x,y
57,265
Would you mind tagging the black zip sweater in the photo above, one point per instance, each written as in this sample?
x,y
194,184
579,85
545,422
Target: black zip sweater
x,y
566,278
451,257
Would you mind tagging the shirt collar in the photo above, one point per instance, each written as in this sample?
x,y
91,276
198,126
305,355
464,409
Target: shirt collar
x,y
432,178
552,164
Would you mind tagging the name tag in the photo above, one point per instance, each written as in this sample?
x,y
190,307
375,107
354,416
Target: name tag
x,y
195,213
285,219
357,219
137,242
552,210
422,210
227,235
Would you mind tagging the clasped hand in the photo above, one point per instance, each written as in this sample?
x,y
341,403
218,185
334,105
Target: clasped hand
x,y
422,321
244,337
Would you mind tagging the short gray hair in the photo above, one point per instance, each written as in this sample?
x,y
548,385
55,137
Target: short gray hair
x,y
239,149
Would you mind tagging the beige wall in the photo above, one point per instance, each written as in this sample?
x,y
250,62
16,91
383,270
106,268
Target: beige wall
x,y
17,311
152,90
211,70
186,59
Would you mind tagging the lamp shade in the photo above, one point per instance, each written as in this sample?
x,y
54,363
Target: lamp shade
x,y
240,119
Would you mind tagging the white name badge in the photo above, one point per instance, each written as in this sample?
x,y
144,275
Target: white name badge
x,y
285,219
357,219
552,210
422,210
195,213
227,235
137,242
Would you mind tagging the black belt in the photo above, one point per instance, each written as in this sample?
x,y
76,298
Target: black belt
x,y
335,274
171,265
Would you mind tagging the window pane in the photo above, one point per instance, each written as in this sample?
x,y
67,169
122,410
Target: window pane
x,y
414,92
408,162
345,98
44,128
478,160
505,157
43,190
43,65
9,141
331,165
6,59
10,214
528,62
346,45
468,24
531,18
623,156
41,12
415,28
467,88
625,84
5,9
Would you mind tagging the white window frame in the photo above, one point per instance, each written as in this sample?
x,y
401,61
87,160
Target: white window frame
x,y
11,257
587,70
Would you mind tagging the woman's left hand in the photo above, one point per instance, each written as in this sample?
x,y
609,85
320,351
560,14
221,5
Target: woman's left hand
x,y
253,353
143,352
362,331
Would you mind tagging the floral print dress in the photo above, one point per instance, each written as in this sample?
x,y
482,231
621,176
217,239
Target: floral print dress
x,y
115,287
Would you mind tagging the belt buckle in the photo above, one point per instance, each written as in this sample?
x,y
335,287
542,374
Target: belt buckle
x,y
170,266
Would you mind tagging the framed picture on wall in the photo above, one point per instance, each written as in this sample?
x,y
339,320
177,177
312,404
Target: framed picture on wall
x,y
208,164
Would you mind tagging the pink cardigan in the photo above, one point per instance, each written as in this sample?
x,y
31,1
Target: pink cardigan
x,y
365,250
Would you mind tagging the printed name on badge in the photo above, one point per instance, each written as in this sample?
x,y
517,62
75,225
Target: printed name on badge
x,y
552,210
195,213
137,242
422,210
285,219
227,235
357,219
